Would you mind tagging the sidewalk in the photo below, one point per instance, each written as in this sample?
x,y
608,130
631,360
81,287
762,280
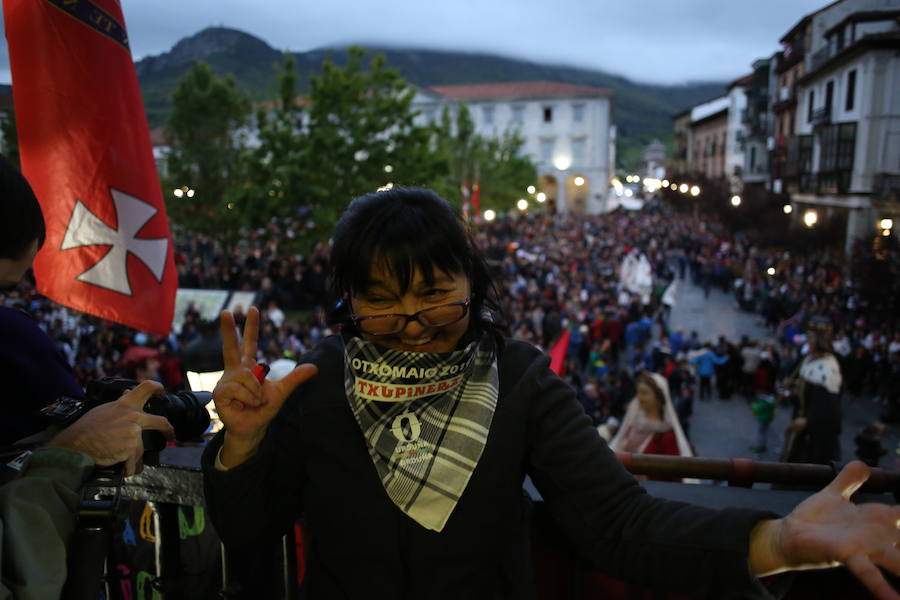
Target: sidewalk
x,y
726,428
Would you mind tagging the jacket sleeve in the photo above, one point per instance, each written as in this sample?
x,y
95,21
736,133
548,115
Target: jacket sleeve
x,y
38,518
613,521
258,500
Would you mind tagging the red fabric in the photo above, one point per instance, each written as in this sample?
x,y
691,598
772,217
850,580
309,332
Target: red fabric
x,y
663,443
558,353
85,149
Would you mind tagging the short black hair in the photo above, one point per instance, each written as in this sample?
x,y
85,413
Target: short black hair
x,y
21,219
406,229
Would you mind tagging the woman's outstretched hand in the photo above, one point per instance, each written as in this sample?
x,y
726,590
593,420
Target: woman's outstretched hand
x,y
245,405
827,530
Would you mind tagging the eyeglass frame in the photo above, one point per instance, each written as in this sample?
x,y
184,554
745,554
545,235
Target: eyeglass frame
x,y
413,317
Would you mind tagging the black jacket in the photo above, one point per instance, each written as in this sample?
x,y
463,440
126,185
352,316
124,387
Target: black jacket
x,y
314,460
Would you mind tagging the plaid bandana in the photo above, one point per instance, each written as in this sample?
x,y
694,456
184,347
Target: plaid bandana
x,y
425,417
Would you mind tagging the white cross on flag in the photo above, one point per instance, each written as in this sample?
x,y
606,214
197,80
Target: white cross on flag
x,y
85,149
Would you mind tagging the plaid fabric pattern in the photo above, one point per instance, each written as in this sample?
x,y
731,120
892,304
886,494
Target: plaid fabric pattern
x,y
425,448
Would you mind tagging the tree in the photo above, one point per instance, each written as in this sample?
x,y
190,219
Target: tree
x,y
203,129
496,163
273,173
361,135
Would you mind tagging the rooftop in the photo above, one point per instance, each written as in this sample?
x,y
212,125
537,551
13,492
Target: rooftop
x,y
518,89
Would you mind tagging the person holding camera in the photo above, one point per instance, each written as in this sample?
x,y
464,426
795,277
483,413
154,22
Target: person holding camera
x,y
41,484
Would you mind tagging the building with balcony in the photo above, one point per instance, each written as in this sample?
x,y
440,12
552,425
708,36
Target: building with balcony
x,y
681,145
844,161
708,136
567,129
757,136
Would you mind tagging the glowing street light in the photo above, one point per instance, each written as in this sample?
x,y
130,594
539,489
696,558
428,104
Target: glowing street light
x,y
628,192
541,197
190,193
489,215
695,191
770,271
810,218
178,192
886,223
788,209
579,181
388,168
683,188
522,204
674,187
665,183
531,189
735,200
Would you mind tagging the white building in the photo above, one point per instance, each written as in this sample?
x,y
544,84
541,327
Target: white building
x,y
848,120
567,131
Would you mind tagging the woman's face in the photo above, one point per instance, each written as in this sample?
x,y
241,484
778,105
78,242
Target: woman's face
x,y
383,296
647,400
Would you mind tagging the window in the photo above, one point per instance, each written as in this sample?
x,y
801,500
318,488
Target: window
x,y
752,159
578,113
518,114
809,106
829,96
578,145
548,114
851,90
547,149
430,114
488,113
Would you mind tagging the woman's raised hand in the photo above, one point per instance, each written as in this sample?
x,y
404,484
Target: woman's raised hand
x,y
827,529
245,405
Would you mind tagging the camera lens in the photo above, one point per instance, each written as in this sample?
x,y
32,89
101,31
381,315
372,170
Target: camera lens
x,y
186,411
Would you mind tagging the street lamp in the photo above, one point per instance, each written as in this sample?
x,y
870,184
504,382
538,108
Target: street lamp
x,y
683,188
541,197
886,223
735,200
190,193
178,192
771,271
674,187
531,189
388,168
579,181
665,183
489,215
522,204
695,191
810,218
788,209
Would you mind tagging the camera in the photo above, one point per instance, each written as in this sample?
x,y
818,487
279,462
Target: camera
x,y
186,411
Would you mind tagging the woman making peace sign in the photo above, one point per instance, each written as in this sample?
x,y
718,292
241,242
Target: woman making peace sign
x,y
405,441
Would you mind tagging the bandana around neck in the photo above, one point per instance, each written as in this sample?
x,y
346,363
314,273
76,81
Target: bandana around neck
x,y
425,418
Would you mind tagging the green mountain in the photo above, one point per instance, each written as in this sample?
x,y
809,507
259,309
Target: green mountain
x,y
641,111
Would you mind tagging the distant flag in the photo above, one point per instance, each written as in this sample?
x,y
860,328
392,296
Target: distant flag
x,y
476,199
85,149
558,353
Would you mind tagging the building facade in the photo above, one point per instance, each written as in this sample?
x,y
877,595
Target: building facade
x,y
567,132
844,158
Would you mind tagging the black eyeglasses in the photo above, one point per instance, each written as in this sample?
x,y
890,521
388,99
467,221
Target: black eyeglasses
x,y
436,316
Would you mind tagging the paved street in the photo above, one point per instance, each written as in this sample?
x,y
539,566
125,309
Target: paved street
x,y
726,428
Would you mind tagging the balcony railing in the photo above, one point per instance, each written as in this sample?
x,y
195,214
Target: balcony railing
x,y
820,57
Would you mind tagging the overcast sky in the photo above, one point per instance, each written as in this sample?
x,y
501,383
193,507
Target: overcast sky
x,y
658,41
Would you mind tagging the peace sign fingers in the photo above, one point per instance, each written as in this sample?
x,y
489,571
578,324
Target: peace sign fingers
x,y
230,350
251,335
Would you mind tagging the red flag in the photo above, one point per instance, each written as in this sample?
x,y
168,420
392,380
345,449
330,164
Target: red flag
x,y
85,149
558,353
476,199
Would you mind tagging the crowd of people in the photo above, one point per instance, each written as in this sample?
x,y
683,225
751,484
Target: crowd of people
x,y
557,274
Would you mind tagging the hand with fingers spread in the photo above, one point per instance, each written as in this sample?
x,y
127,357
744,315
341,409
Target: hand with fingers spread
x,y
245,405
827,530
111,433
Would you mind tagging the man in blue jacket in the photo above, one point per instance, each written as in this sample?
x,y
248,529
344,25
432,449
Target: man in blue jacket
x,y
706,368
